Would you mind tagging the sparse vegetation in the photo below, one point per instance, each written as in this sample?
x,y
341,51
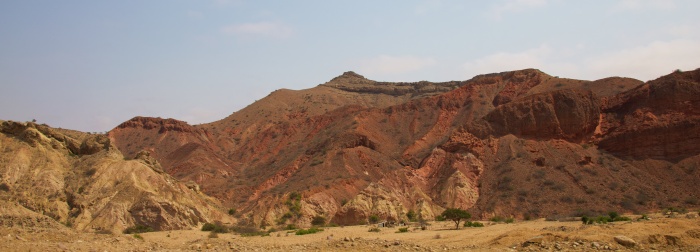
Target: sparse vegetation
x,y
402,230
247,231
312,230
90,172
611,217
411,215
217,228
672,210
137,229
374,229
456,215
4,187
232,211
373,219
318,220
473,224
138,236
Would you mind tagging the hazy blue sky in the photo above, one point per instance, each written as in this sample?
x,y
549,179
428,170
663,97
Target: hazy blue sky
x,y
90,65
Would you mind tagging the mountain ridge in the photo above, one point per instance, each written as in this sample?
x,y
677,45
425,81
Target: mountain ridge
x,y
522,144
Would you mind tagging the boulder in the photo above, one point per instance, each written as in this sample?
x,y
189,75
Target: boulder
x,y
625,241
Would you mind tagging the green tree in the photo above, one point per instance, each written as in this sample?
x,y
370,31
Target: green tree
x,y
411,215
373,219
456,215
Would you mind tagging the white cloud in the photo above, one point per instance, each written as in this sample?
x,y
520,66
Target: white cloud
x,y
385,64
266,29
639,5
644,62
684,31
511,6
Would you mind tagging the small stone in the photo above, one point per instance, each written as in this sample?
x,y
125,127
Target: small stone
x,y
656,238
595,245
625,241
534,240
673,240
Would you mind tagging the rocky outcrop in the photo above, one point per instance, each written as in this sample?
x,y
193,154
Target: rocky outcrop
x,y
517,84
93,189
353,82
563,114
162,125
658,120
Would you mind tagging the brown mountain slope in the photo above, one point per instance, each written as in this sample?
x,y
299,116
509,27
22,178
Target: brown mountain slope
x,y
83,181
519,143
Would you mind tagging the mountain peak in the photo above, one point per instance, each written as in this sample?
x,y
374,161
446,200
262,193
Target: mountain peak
x,y
349,76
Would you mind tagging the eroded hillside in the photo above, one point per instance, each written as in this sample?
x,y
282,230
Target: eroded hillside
x,y
51,176
520,143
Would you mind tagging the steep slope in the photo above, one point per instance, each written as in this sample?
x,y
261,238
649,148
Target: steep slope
x,y
658,120
519,143
83,181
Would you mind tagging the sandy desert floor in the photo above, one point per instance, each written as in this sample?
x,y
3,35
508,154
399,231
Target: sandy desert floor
x,y
677,233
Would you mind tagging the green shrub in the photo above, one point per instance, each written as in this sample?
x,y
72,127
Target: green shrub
x,y
374,229
290,227
440,218
411,215
232,211
138,229
137,236
473,224
4,187
246,231
403,230
611,217
217,228
373,219
312,230
318,220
